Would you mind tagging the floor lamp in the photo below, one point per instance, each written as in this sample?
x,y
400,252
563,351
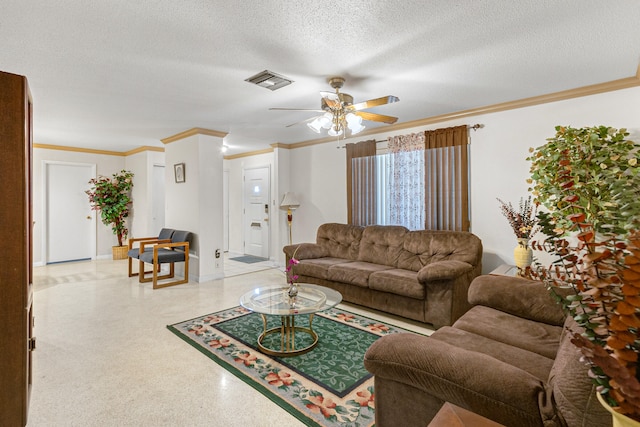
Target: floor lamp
x,y
290,203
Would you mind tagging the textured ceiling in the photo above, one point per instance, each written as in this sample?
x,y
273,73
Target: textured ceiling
x,y
117,75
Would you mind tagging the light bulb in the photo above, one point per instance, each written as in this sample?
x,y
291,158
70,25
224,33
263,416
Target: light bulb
x,y
334,132
352,118
315,125
357,128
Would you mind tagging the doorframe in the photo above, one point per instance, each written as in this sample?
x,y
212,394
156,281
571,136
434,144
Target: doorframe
x,y
244,207
45,208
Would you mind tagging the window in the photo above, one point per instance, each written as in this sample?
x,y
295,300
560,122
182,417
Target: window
x,y
420,183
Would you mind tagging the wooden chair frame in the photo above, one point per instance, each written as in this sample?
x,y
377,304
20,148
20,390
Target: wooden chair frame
x,y
142,242
156,265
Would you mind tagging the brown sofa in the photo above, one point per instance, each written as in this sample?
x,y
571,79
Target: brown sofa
x,y
508,359
421,275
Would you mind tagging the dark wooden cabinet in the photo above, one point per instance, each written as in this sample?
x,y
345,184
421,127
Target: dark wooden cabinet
x,y
16,222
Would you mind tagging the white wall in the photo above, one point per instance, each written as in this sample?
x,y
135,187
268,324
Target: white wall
x,y
105,165
498,165
196,204
318,177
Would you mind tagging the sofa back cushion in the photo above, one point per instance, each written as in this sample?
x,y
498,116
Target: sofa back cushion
x,y
423,247
340,240
382,244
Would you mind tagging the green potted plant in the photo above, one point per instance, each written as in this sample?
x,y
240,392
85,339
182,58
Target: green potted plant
x,y
588,180
112,198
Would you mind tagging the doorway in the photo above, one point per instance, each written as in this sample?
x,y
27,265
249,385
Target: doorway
x,y
256,211
70,225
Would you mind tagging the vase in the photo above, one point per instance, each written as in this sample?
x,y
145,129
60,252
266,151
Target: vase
x,y
523,254
619,420
292,293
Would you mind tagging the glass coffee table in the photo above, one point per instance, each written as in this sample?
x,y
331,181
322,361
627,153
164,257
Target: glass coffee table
x,y
274,301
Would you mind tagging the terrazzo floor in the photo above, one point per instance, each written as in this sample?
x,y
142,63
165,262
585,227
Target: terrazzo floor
x,y
104,356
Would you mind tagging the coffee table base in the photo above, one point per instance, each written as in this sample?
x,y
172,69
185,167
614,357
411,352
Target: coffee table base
x,y
287,331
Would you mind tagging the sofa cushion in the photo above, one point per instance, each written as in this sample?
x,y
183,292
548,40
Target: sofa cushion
x,y
354,273
399,282
317,267
164,256
422,247
381,244
340,240
516,331
533,363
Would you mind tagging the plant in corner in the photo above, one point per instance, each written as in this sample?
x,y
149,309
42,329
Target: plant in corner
x,y
588,179
111,197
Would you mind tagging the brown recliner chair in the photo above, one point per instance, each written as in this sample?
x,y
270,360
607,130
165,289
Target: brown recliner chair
x,y
509,359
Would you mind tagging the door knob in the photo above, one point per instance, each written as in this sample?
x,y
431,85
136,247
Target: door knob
x,y
88,216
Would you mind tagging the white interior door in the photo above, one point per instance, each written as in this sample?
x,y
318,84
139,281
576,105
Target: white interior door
x,y
71,224
157,200
256,212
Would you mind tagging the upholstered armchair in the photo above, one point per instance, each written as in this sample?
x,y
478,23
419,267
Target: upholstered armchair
x,y
160,251
142,244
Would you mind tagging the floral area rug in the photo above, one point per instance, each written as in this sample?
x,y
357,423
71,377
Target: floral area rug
x,y
327,386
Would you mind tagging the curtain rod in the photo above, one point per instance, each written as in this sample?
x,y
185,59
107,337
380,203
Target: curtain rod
x,y
474,127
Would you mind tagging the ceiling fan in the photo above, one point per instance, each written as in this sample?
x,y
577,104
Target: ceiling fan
x,y
340,115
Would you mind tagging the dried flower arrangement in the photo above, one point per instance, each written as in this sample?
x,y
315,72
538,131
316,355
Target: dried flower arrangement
x,y
523,221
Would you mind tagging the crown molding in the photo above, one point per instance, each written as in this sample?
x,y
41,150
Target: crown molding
x,y
248,154
579,92
78,149
144,148
594,89
103,152
191,132
280,145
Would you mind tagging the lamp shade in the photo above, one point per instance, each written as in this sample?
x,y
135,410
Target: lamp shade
x,y
289,201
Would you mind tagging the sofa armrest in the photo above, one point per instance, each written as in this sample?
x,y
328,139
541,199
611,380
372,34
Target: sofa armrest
x,y
443,270
521,297
304,251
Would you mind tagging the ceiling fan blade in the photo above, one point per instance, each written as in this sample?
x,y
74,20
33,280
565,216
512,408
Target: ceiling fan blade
x,y
298,109
376,117
331,99
374,102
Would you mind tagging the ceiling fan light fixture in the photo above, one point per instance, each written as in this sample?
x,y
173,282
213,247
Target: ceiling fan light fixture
x,y
334,131
353,119
326,120
315,125
356,129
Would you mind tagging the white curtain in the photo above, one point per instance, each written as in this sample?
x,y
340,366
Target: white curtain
x,y
405,176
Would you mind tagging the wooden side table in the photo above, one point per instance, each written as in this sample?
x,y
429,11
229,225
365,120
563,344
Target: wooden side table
x,y
451,415
505,270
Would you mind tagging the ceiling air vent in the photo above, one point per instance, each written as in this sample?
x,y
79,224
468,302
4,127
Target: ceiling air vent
x,y
269,79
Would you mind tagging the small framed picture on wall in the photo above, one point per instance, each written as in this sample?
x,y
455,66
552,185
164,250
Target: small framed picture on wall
x,y
178,169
